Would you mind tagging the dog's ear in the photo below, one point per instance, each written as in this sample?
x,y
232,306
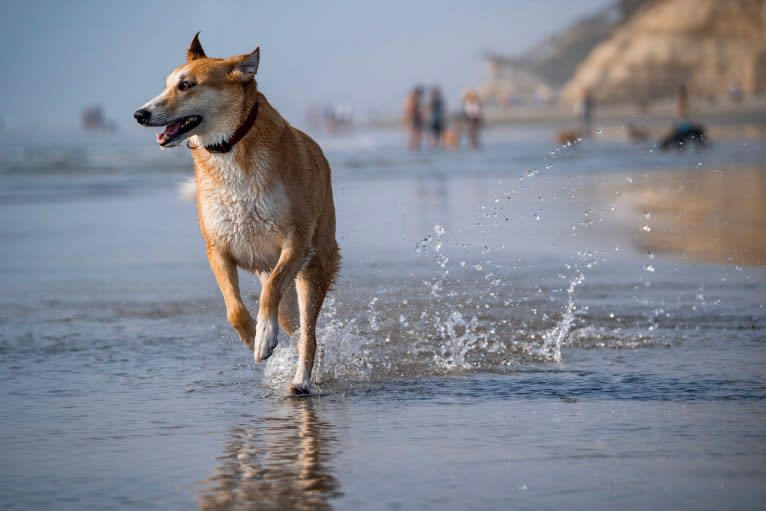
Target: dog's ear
x,y
245,66
195,50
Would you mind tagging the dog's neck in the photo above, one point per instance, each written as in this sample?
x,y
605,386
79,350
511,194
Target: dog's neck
x,y
227,145
250,108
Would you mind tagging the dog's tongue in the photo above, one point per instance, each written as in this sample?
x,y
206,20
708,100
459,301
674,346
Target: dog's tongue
x,y
170,130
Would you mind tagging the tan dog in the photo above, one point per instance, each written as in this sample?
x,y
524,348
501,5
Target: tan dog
x,y
263,194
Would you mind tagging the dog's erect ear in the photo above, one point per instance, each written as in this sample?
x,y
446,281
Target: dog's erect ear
x,y
247,65
195,50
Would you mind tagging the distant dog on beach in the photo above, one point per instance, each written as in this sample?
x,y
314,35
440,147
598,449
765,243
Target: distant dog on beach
x,y
569,137
263,194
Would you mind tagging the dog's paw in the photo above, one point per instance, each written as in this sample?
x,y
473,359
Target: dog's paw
x,y
266,331
299,389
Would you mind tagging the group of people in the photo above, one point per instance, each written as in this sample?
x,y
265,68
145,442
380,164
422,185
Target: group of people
x,y
432,119
684,131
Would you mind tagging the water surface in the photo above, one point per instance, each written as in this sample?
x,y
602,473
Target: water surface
x,y
524,327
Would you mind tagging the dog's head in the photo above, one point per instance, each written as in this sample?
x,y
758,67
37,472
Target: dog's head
x,y
202,97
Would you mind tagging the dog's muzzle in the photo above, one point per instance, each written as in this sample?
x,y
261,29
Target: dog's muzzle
x,y
142,116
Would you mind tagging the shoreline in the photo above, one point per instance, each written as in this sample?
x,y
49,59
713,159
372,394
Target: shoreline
x,y
661,112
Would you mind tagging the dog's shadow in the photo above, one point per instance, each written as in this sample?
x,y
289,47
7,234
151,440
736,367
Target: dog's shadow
x,y
277,462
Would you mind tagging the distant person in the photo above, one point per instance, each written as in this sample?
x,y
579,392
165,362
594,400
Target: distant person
x,y
436,112
684,131
472,116
586,111
683,134
682,104
413,118
735,91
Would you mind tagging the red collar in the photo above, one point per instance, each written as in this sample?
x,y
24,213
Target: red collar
x,y
227,145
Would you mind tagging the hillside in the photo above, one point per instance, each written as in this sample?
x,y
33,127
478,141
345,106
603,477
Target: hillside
x,y
556,58
708,45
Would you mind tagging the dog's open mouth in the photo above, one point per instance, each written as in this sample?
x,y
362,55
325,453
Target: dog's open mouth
x,y
176,129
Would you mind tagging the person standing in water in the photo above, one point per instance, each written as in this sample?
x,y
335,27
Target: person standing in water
x,y
682,104
587,112
472,116
436,111
413,118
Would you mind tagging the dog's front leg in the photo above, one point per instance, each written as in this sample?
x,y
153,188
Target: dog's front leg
x,y
291,260
225,271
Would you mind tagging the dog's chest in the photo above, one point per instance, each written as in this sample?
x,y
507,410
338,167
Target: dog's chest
x,y
244,213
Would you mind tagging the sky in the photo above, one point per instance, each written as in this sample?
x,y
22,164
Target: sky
x,y
60,56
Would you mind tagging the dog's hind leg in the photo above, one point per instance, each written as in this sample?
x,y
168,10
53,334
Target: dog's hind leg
x,y
311,288
288,310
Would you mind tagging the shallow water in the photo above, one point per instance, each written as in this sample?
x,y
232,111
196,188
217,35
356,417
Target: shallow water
x,y
506,332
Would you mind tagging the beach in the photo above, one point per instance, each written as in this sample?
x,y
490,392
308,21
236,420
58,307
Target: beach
x,y
526,326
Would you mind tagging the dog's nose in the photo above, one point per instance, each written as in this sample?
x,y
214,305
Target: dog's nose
x,y
142,116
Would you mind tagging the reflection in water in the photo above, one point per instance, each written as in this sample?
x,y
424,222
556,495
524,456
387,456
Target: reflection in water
x,y
279,461
431,194
717,217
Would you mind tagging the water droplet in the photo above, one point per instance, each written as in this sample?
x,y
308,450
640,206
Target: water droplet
x,y
646,228
536,217
647,214
439,230
649,268
629,180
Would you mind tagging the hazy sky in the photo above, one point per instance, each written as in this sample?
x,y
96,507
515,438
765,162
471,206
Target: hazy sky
x,y
59,56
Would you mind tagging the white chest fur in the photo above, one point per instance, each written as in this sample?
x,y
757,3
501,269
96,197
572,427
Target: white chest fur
x,y
243,211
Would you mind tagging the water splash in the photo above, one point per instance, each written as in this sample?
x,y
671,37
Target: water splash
x,y
552,339
458,338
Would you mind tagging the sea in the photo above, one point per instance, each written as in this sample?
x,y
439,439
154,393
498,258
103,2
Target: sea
x,y
522,326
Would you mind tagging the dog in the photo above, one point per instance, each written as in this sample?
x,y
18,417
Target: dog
x,y
264,198
568,137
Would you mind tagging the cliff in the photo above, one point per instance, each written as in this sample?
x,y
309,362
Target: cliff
x,y
555,59
708,45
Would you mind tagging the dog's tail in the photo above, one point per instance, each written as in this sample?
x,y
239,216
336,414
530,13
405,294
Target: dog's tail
x,y
188,189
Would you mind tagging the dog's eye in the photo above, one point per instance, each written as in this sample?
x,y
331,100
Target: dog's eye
x,y
185,85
